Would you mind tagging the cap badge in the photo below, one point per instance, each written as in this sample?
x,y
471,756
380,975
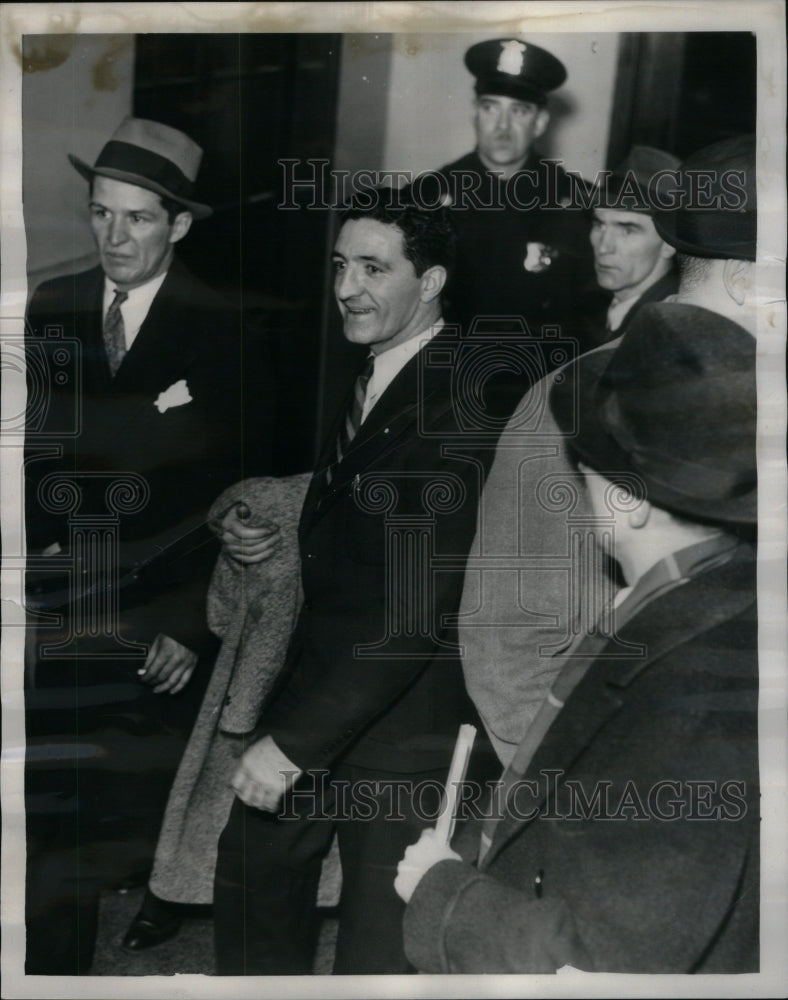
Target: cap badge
x,y
512,57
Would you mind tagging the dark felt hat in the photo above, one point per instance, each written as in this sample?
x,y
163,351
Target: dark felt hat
x,y
709,207
625,187
514,68
676,406
152,156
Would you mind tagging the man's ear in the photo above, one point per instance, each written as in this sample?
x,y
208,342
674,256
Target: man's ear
x,y
666,251
432,282
181,226
541,122
638,518
737,278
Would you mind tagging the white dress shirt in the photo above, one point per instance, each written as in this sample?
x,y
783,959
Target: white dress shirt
x,y
135,308
388,364
617,310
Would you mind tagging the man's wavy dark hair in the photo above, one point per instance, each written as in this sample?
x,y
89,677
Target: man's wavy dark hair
x,y
428,235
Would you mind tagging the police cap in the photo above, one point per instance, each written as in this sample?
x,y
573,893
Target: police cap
x,y
513,68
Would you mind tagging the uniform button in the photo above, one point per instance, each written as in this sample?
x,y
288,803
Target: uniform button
x,y
228,700
539,884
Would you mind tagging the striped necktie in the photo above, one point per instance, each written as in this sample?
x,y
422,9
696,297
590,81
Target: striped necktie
x,y
115,333
352,422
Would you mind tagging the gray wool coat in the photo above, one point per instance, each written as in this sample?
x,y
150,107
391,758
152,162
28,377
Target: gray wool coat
x,y
253,609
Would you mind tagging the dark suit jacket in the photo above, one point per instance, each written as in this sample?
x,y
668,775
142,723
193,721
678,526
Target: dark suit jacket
x,y
591,326
410,482
88,425
637,893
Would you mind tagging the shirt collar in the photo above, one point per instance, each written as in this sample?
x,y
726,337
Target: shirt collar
x,y
136,307
390,363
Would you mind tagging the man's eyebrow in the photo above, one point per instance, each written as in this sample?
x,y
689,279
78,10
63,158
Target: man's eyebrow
x,y
372,259
365,258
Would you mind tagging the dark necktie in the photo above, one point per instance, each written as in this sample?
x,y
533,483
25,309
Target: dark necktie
x,y
115,333
352,421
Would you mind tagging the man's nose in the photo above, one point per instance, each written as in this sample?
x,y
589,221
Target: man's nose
x,y
118,232
504,120
346,284
606,242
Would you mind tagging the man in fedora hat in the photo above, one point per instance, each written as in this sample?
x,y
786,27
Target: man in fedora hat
x,y
520,254
713,230
142,431
538,582
627,837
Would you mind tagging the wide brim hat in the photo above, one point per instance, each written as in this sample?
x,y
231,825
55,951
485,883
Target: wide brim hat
x,y
675,407
625,188
709,207
150,155
511,67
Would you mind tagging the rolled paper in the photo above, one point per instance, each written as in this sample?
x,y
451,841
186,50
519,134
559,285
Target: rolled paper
x,y
444,828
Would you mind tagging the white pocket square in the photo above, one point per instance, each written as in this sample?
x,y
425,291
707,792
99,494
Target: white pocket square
x,y
177,395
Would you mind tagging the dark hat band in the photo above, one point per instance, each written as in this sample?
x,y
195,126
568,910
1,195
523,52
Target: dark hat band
x,y
136,160
505,85
719,234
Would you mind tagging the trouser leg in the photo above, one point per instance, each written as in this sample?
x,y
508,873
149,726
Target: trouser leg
x,y
265,889
370,912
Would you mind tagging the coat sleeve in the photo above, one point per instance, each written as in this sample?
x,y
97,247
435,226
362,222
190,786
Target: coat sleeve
x,y
660,875
459,920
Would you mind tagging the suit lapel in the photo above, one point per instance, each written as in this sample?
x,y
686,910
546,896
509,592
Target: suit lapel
x,y
392,417
718,594
162,344
667,285
89,307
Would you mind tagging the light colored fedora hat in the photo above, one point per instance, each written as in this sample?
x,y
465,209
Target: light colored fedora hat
x,y
152,156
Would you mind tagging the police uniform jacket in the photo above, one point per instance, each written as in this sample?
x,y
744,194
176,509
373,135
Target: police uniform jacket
x,y
501,227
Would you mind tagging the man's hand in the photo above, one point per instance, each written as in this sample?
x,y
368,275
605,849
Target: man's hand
x,y
169,665
244,543
264,775
419,858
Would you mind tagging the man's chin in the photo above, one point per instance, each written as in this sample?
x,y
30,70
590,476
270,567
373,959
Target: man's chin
x,y
116,270
358,332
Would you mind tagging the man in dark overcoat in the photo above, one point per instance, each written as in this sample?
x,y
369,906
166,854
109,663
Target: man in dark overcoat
x,y
627,837
134,426
361,733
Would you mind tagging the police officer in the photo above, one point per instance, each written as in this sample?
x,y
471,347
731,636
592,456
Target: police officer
x,y
523,250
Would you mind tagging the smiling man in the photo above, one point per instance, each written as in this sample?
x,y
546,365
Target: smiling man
x,y
144,427
360,737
